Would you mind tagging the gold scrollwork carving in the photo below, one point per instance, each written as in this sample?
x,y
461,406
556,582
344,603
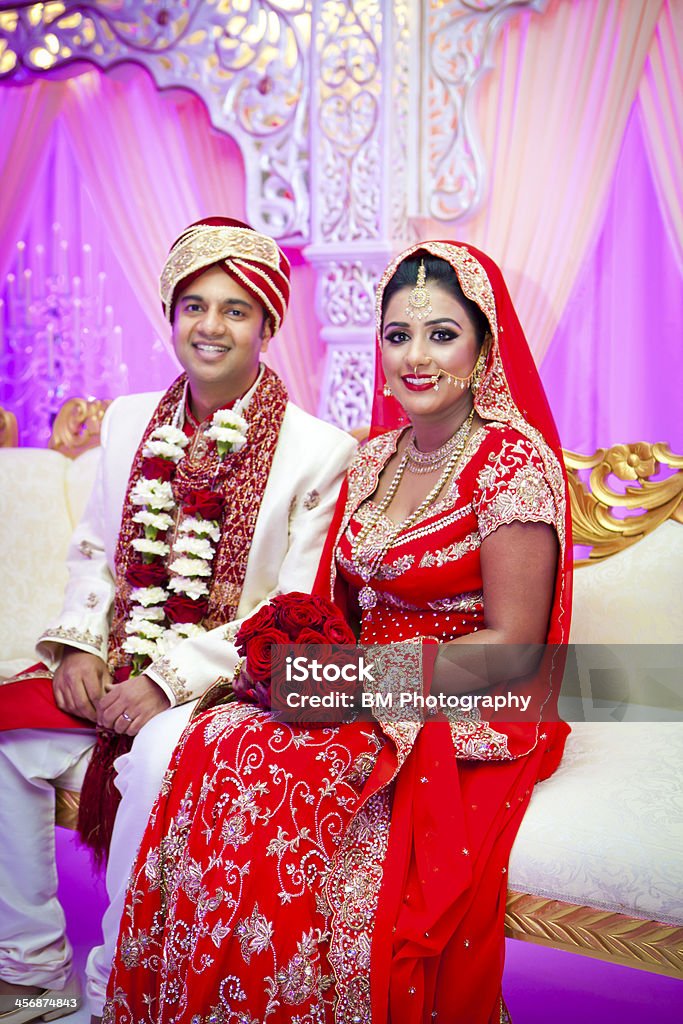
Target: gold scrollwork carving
x,y
603,934
645,502
249,62
9,432
77,426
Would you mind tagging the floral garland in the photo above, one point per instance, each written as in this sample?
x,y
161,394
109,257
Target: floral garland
x,y
165,610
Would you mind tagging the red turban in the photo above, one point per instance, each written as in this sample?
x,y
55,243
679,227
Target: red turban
x,y
256,261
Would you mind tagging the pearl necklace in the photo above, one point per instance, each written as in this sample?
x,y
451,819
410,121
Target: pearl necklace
x,y
367,598
427,462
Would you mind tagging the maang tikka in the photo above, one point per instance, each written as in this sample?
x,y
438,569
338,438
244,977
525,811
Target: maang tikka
x,y
419,301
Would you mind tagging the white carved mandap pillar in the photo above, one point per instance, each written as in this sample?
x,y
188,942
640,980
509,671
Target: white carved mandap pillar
x,y
358,132
392,135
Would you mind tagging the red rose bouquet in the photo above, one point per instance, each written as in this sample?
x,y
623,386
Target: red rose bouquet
x,y
265,637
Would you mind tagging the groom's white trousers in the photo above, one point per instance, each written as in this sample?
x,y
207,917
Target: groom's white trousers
x,y
34,949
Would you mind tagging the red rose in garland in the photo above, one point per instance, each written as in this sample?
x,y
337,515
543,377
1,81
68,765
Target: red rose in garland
x,y
203,505
181,608
152,574
158,468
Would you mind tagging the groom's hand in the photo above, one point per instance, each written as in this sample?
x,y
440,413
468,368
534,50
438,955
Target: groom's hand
x,y
79,682
131,704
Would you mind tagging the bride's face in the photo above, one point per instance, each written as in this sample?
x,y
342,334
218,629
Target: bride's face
x,y
417,355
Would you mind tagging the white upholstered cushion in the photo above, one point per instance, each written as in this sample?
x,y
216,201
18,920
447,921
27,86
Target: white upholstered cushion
x,y
80,477
634,596
606,830
34,534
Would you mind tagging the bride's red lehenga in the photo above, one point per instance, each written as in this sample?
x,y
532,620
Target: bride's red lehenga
x,y
357,872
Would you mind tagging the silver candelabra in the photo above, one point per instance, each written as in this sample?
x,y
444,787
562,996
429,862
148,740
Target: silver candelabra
x,y
57,335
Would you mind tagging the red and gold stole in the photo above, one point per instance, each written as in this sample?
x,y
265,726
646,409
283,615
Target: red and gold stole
x,y
240,478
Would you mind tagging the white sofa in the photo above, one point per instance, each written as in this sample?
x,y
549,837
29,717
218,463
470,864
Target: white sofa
x,y
597,867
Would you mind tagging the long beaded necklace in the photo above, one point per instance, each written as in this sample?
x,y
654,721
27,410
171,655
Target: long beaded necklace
x,y
367,598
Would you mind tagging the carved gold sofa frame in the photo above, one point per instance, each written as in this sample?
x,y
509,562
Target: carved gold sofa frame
x,y
641,506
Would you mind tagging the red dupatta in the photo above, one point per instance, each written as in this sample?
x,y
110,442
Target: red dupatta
x,y
426,820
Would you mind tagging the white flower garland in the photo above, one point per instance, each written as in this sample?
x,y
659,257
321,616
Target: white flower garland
x,y
193,551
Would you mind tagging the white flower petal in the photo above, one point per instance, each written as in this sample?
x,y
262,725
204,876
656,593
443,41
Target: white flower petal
x,y
164,450
156,494
198,546
148,595
200,527
229,418
190,567
225,434
150,547
154,613
167,642
159,520
192,588
170,434
138,645
187,629
144,628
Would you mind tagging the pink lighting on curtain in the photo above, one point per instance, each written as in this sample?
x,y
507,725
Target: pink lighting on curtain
x,y
661,95
146,163
552,115
613,370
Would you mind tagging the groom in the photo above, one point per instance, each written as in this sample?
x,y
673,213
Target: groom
x,y
209,499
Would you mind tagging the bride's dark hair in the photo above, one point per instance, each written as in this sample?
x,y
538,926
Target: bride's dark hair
x,y
440,273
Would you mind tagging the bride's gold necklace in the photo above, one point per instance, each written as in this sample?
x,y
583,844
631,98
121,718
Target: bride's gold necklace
x,y
428,462
367,598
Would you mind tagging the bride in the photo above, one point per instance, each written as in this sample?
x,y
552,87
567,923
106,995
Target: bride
x,y
357,872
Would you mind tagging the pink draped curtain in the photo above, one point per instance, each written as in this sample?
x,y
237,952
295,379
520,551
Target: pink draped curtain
x,y
150,164
581,111
27,115
552,115
660,96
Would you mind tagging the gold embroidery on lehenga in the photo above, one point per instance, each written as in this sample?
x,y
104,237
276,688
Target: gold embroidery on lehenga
x,y
513,488
451,553
255,933
41,673
478,741
363,852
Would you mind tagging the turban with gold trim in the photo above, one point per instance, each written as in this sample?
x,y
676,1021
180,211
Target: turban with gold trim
x,y
255,261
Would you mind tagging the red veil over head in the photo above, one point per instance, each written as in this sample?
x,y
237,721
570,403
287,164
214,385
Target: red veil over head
x,y
510,391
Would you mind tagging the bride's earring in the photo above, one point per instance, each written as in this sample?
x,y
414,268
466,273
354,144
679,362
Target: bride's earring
x,y
386,391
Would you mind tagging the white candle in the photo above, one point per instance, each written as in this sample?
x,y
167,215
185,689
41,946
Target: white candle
x,y
21,259
50,350
39,274
101,278
117,348
27,287
77,325
76,287
54,270
63,267
87,268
